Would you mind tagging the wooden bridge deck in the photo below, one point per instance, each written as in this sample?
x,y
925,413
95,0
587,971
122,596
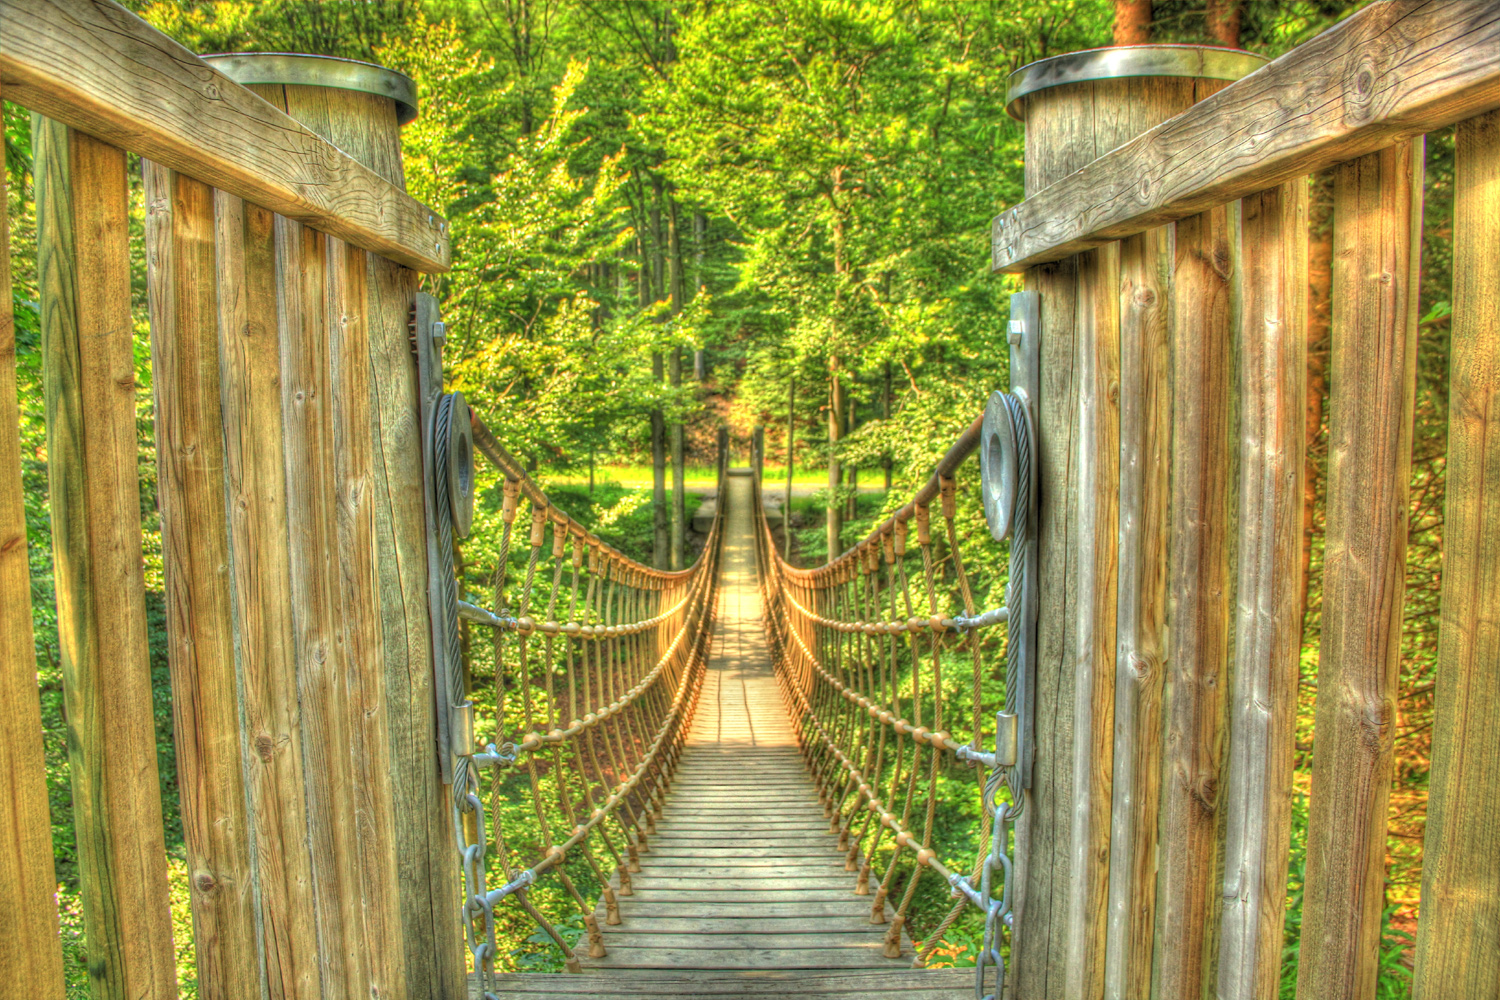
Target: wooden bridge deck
x,y
743,891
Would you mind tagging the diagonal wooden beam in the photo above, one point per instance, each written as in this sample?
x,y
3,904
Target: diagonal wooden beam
x,y
1392,71
93,65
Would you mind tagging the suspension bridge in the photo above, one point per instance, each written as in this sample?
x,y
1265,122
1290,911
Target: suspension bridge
x,y
728,780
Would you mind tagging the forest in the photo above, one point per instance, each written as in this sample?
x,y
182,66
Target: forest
x,y
672,216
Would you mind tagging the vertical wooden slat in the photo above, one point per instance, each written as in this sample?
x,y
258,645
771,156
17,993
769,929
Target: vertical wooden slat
x,y
1095,472
1141,616
1458,938
1271,344
361,633
1376,231
29,948
301,259
1198,604
195,548
94,489
255,485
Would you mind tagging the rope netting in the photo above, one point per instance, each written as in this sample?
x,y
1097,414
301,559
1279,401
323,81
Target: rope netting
x,y
598,661
881,658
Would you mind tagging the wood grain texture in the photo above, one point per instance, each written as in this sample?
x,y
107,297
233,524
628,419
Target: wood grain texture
x,y
322,692
1391,71
1377,227
1458,939
181,278
1199,592
255,486
1140,649
1270,341
29,948
360,632
88,368
99,68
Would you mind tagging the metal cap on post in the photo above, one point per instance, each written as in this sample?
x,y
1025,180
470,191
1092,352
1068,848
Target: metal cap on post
x,y
362,116
1142,86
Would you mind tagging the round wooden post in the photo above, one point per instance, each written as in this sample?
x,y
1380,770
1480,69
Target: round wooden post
x,y
1087,871
353,458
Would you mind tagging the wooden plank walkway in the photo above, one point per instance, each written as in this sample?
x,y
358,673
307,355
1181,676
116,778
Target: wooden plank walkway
x,y
744,891
742,872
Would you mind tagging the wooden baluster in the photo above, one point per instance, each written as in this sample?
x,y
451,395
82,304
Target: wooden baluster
x,y
1198,593
29,950
1270,341
255,484
94,490
1457,951
195,552
1377,229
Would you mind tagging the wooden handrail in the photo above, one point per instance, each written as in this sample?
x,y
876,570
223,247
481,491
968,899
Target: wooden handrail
x,y
95,66
1392,71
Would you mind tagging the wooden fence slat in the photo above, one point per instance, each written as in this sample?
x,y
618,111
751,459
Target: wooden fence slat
x,y
1198,604
101,69
94,490
29,949
1393,70
1140,652
360,629
195,549
1271,343
323,697
1458,938
256,489
1372,358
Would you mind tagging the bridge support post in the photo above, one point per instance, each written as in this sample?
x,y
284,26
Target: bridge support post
x,y
1110,322
355,868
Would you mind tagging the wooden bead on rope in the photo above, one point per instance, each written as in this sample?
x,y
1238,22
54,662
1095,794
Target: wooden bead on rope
x,y
947,488
898,544
924,524
538,526
510,500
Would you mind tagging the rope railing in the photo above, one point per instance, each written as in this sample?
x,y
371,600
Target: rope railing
x,y
597,665
890,689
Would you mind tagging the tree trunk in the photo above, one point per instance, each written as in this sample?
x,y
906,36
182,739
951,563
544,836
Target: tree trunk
x,y
1223,21
1132,22
679,473
659,534
700,238
885,415
851,505
791,454
835,479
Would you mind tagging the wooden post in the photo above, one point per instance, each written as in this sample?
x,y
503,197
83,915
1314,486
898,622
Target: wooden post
x,y
1457,950
94,491
29,949
1086,897
357,643
1377,205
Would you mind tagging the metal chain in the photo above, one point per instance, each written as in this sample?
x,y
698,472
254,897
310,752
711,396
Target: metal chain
x,y
477,912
